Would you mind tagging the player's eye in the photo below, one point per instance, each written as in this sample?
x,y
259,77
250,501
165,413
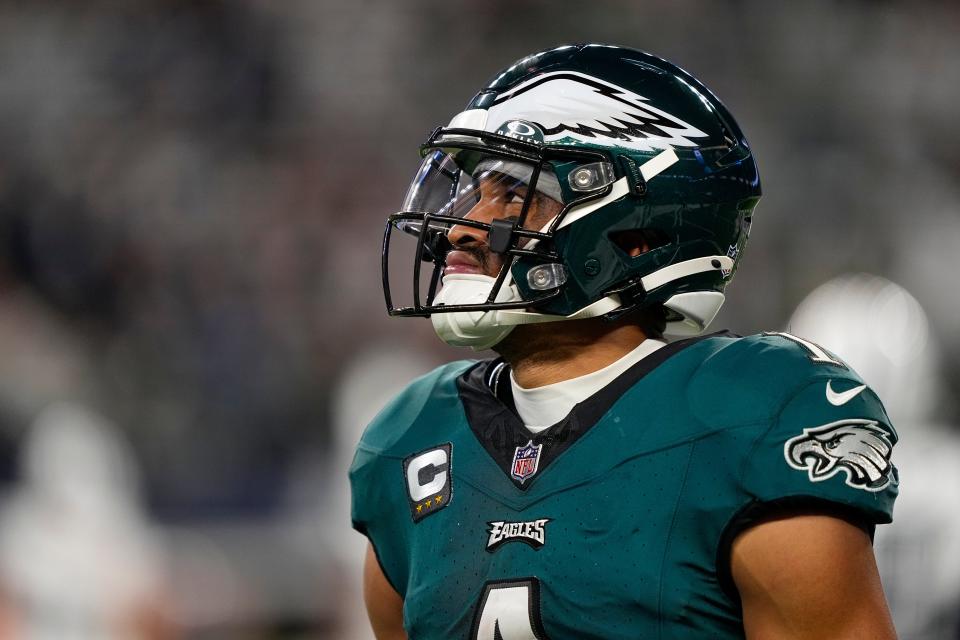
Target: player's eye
x,y
514,197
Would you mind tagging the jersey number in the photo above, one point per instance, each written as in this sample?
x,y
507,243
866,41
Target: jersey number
x,y
815,352
509,610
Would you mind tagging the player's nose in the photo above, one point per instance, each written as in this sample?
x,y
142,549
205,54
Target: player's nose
x,y
462,234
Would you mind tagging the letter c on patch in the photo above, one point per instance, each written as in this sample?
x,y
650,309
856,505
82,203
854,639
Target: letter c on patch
x,y
427,474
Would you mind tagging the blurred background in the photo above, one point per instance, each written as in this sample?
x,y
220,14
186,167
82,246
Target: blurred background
x,y
192,332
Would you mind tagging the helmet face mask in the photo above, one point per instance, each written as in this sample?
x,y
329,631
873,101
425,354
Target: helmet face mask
x,y
560,158
494,171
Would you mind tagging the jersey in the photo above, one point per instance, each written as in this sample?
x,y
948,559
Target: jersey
x,y
617,521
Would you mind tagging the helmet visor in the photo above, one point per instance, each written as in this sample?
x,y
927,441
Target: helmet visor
x,y
493,205
483,187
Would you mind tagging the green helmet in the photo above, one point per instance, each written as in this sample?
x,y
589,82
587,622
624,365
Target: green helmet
x,y
624,150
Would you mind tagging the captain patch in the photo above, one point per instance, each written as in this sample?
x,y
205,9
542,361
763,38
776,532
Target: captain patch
x,y
428,480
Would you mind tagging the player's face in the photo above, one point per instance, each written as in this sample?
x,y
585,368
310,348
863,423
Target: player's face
x,y
499,200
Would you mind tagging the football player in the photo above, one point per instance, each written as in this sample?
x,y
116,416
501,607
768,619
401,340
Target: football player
x,y
595,481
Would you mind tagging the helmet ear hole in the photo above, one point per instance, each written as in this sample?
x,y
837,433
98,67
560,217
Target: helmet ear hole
x,y
636,242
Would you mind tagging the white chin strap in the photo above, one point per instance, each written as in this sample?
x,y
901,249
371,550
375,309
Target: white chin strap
x,y
481,330
477,329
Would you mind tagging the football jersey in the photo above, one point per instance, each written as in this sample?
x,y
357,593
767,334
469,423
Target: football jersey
x,y
617,521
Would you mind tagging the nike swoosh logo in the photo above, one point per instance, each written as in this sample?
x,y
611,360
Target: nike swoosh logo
x,y
840,399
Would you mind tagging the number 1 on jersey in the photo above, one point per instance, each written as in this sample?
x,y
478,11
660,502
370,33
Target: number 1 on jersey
x,y
815,352
509,610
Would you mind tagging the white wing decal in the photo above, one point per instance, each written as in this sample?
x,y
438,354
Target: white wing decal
x,y
569,104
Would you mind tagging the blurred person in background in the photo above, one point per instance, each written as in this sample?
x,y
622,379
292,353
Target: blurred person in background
x,y
881,330
77,559
595,481
374,376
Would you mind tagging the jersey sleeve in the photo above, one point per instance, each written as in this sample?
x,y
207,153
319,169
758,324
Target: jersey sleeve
x,y
829,448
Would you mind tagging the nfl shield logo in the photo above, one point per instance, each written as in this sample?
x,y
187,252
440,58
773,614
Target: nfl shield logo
x,y
525,461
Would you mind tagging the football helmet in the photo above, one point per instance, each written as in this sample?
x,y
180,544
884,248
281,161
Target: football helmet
x,y
561,167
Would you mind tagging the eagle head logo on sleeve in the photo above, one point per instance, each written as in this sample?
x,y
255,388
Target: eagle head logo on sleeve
x,y
859,447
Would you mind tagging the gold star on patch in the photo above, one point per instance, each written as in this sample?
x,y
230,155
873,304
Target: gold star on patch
x,y
419,508
438,499
428,502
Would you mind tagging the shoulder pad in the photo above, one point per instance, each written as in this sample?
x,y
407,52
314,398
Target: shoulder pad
x,y
413,420
397,419
749,380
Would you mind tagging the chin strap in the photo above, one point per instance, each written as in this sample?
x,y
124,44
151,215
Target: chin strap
x,y
478,330
698,307
484,329
599,308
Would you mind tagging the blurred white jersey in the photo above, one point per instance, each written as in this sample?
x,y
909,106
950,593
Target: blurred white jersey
x,y
882,332
919,554
77,561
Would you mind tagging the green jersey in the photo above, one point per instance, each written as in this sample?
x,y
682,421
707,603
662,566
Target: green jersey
x,y
617,521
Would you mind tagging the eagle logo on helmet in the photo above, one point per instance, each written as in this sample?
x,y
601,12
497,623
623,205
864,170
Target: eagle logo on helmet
x,y
567,104
858,447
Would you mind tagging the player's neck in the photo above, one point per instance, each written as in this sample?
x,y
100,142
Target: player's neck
x,y
547,353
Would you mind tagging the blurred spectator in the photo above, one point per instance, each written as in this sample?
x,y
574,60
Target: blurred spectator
x,y
77,559
879,329
368,382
